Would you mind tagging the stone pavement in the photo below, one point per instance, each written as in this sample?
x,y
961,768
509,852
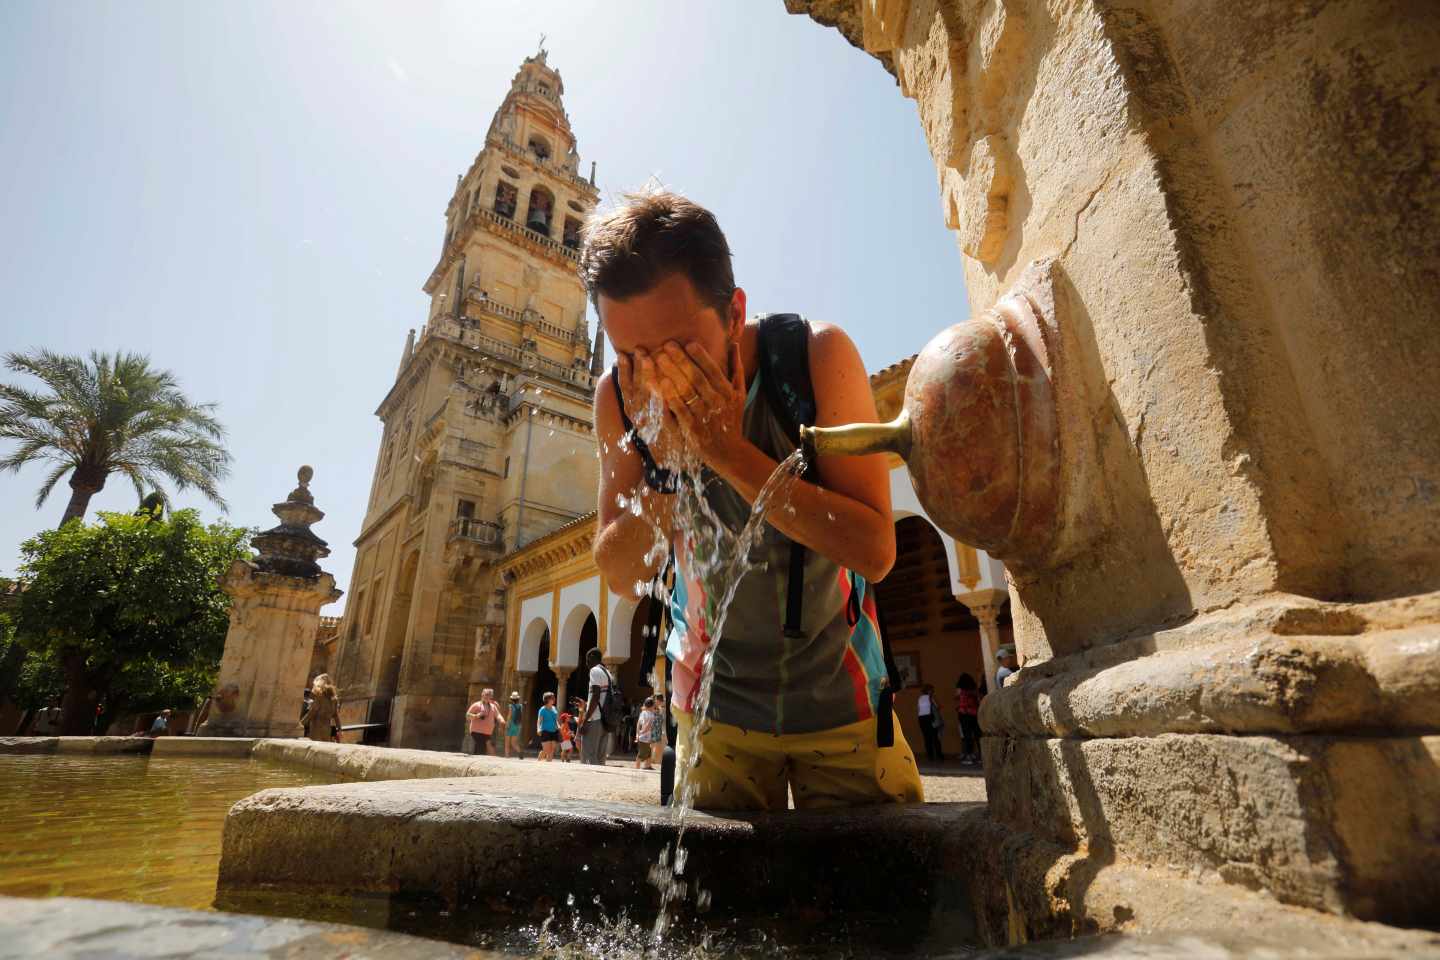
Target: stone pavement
x,y
618,780
74,929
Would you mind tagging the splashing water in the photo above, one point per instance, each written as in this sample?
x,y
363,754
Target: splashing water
x,y
721,561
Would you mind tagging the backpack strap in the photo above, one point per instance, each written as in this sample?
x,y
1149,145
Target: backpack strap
x,y
784,355
656,615
783,346
657,478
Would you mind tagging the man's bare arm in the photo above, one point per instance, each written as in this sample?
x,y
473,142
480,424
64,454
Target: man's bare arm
x,y
846,517
623,540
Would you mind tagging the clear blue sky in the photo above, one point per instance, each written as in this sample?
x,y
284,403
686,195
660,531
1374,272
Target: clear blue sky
x,y
252,193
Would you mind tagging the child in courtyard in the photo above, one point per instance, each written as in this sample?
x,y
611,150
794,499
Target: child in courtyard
x,y
567,736
800,703
647,734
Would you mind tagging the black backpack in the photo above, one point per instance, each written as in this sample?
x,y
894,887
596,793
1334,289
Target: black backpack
x,y
783,349
615,707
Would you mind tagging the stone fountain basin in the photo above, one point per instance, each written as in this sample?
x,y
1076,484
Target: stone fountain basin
x,y
455,845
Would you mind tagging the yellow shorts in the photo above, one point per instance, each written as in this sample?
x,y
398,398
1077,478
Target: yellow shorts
x,y
842,767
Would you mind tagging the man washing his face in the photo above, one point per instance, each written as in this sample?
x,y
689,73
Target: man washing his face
x,y
800,704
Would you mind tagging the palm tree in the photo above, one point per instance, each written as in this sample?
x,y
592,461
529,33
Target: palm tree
x,y
110,414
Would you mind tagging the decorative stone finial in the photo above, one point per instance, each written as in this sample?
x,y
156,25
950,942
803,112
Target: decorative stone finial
x,y
291,549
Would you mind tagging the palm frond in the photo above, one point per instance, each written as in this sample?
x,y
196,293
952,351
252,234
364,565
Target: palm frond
x,y
112,413
54,477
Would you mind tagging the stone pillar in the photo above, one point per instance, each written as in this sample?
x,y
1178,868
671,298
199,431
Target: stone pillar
x,y
985,606
1205,417
274,618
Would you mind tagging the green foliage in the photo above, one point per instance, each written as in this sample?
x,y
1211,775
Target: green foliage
x,y
109,414
133,600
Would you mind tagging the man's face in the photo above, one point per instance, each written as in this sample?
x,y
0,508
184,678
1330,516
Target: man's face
x,y
671,310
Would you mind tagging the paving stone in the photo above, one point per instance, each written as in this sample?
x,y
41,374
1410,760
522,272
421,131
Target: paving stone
x,y
82,929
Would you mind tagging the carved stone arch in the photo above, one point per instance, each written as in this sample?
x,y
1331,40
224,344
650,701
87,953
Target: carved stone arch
x,y
532,636
572,623
617,633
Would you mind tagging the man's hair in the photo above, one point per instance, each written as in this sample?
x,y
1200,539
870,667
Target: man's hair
x,y
632,246
594,654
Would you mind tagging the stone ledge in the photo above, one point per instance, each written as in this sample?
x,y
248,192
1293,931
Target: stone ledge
x,y
12,745
449,842
76,745
202,747
81,929
1274,668
367,763
1029,889
1343,825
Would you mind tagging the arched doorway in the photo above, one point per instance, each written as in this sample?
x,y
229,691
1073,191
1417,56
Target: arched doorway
x,y
545,682
577,684
933,636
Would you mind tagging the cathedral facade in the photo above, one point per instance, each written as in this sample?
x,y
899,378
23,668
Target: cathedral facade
x,y
488,442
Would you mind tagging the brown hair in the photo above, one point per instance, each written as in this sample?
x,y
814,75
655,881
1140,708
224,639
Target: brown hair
x,y
648,236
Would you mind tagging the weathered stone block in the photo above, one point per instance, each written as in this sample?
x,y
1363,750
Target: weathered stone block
x,y
1334,824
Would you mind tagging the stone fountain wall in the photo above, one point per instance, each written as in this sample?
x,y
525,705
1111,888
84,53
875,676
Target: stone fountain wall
x,y
1226,214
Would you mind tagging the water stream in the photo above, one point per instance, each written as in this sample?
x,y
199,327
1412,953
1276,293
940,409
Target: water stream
x,y
721,570
719,558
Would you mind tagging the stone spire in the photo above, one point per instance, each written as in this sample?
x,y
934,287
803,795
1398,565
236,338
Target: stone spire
x,y
291,548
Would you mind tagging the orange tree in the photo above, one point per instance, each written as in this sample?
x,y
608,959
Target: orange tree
x,y
128,609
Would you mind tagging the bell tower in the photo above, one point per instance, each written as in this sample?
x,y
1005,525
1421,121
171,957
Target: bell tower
x,y
488,440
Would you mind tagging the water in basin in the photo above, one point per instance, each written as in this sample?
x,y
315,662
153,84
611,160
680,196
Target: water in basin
x,y
124,828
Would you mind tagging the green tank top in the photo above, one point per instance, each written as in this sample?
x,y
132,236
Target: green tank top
x,y
827,677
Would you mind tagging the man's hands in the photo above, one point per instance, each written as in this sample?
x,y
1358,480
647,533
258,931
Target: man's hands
x,y
705,401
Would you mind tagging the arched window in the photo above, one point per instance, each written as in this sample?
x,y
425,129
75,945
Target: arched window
x,y
572,233
540,147
542,204
505,197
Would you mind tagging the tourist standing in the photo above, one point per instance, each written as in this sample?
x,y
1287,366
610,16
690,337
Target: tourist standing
x,y
967,711
547,725
512,727
483,714
647,735
322,721
161,726
592,728
929,728
1008,664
